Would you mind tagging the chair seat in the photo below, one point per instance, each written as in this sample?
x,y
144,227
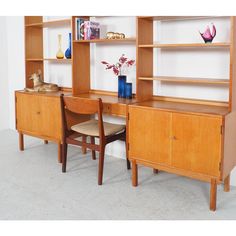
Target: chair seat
x,y
90,128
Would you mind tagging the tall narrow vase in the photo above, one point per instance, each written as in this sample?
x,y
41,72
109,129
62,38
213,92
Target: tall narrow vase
x,y
60,54
121,86
68,50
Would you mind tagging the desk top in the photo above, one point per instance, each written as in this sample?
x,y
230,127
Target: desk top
x,y
180,107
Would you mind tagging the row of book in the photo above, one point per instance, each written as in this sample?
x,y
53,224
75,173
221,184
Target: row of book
x,y
86,30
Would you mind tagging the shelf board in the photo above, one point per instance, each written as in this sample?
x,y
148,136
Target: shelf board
x,y
174,18
57,60
186,45
49,59
125,40
187,80
51,23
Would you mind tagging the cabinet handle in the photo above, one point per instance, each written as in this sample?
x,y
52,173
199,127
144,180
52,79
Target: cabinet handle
x,y
38,112
173,138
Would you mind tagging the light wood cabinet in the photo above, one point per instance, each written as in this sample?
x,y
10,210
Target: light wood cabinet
x,y
38,115
190,143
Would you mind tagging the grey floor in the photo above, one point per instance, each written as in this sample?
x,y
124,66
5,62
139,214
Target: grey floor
x,y
32,187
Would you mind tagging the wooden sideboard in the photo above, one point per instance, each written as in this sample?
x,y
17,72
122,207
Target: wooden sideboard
x,y
187,139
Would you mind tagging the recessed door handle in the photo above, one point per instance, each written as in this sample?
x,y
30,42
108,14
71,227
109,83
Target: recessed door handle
x,y
38,112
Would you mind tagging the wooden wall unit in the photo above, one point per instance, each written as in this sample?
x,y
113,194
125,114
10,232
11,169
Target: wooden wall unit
x,y
190,137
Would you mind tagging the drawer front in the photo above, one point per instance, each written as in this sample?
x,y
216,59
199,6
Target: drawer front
x,y
115,109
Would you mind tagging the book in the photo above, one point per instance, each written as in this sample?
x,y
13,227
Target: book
x,y
79,28
91,30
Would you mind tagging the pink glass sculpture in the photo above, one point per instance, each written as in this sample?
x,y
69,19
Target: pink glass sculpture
x,y
208,36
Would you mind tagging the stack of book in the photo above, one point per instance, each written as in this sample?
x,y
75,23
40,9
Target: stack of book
x,y
86,30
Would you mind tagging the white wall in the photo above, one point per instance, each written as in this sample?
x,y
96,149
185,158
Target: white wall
x,y
100,79
4,93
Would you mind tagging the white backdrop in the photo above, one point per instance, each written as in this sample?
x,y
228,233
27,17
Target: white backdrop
x,y
14,36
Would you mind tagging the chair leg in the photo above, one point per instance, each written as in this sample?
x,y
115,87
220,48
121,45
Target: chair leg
x,y
64,156
100,165
84,149
93,152
45,141
127,153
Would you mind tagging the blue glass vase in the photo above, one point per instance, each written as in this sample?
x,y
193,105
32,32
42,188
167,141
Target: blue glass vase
x,y
121,86
128,90
68,50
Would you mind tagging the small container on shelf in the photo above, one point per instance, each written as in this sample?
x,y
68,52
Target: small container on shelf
x,y
128,90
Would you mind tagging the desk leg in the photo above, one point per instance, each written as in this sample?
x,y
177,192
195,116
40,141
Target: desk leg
x,y
213,194
134,174
59,153
21,142
227,184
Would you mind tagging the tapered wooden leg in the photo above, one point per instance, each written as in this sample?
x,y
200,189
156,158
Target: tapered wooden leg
x,y
227,184
213,194
155,171
134,174
93,152
59,153
21,142
45,141
100,165
64,156
84,149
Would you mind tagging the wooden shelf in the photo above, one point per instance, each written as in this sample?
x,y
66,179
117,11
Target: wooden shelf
x,y
125,40
50,59
57,60
187,80
186,45
52,23
175,18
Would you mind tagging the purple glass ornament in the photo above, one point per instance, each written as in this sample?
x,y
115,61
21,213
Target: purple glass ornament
x,y
208,36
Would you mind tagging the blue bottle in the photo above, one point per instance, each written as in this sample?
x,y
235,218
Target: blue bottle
x,y
68,50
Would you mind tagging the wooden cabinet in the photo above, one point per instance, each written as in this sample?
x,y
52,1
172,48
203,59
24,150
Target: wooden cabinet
x,y
38,115
186,142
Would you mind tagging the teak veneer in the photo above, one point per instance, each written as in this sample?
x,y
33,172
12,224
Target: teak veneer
x,y
190,137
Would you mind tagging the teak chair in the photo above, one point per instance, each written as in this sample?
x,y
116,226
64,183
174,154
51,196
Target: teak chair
x,y
106,132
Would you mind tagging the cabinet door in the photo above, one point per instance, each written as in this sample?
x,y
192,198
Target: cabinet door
x,y
196,143
149,135
27,112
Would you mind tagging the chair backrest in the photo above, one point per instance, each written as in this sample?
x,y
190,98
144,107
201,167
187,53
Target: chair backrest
x,y
83,106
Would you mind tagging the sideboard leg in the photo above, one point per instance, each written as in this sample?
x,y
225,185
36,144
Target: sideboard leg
x,y
59,153
134,174
213,194
21,141
155,171
227,184
45,141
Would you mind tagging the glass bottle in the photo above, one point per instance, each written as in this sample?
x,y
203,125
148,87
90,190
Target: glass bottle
x,y
68,50
60,54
